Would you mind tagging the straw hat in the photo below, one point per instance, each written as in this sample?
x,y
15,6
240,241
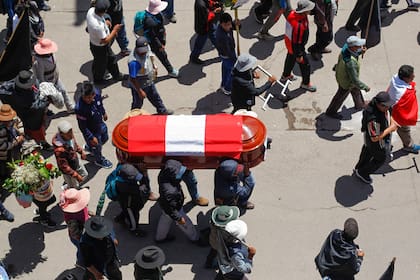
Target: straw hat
x,y
6,113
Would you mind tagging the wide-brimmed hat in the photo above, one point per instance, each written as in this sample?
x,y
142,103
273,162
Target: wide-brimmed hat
x,y
150,257
245,62
25,79
237,228
224,214
304,6
354,41
73,201
7,113
142,45
45,46
136,112
156,6
98,227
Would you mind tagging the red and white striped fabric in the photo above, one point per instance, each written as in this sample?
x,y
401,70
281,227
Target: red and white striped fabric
x,y
405,111
203,135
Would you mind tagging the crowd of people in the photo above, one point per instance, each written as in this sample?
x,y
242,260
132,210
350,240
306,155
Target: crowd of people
x,y
24,115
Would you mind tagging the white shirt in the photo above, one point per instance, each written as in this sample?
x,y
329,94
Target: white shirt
x,y
97,27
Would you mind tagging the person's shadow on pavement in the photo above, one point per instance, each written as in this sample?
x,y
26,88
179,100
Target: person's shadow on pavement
x,y
349,191
26,245
212,103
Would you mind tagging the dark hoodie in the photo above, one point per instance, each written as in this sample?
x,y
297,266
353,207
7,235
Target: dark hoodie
x,y
226,184
338,257
171,197
244,90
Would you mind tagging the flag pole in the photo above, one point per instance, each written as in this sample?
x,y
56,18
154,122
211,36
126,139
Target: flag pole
x,y
238,50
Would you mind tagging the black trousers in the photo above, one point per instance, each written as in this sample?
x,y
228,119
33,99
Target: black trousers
x,y
305,68
131,206
42,207
263,9
371,158
163,57
323,39
341,95
357,11
103,59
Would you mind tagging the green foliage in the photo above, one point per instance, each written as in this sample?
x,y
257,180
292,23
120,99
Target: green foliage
x,y
30,173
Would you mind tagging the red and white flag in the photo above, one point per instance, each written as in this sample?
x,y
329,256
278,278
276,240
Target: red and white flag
x,y
184,135
405,111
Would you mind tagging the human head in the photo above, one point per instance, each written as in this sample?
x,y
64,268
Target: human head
x,y
66,130
356,44
406,73
222,215
305,7
73,200
98,227
7,114
237,228
141,46
226,21
45,46
230,168
351,229
150,257
156,6
383,101
101,6
245,62
25,80
88,94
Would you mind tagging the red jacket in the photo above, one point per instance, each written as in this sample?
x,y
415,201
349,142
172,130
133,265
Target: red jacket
x,y
297,33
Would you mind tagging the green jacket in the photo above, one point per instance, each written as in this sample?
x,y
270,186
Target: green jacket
x,y
347,71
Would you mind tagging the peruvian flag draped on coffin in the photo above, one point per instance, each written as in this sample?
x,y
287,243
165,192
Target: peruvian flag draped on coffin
x,y
181,135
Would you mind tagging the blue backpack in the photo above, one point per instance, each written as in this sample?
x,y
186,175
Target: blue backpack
x,y
139,23
111,182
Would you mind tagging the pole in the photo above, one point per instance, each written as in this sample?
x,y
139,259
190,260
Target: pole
x,y
238,50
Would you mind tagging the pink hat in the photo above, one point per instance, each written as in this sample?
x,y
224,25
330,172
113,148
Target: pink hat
x,y
45,46
73,201
156,6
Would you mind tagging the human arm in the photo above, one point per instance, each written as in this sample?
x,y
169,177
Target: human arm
x,y
39,71
170,201
133,68
111,35
83,126
351,67
241,263
391,128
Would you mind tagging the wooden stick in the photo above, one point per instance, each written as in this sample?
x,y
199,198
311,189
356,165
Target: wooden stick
x,y
238,50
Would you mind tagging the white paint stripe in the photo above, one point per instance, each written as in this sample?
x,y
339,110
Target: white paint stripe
x,y
184,135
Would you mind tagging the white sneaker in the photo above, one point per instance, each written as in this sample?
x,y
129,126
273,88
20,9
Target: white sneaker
x,y
224,91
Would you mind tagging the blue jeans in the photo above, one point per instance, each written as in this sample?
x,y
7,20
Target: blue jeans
x,y
227,66
169,11
191,182
122,37
201,40
152,95
102,137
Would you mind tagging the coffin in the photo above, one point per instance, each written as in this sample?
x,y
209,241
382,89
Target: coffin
x,y
199,141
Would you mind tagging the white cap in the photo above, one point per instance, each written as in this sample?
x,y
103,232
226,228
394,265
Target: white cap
x,y
354,41
64,126
237,228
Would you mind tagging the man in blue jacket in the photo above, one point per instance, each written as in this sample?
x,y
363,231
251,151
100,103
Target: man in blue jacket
x,y
91,117
233,185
